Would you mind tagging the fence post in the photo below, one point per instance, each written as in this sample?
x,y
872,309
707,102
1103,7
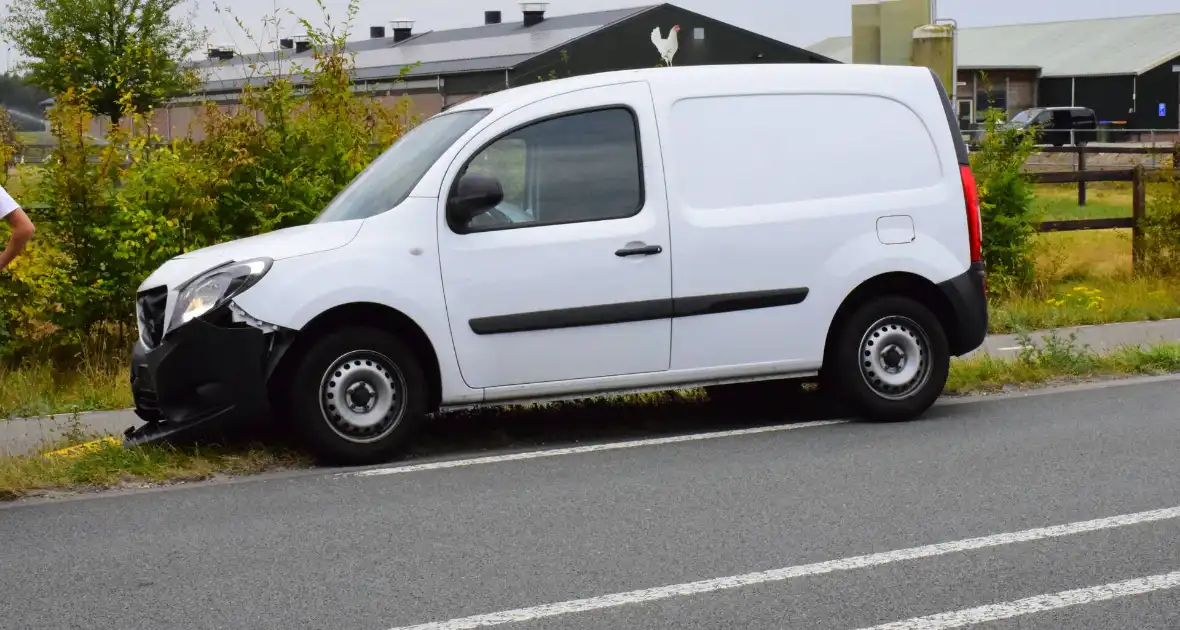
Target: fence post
x,y
1081,169
1138,213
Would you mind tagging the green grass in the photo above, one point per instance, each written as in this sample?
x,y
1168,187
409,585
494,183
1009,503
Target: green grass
x,y
115,466
1086,277
1088,301
1056,361
1105,200
42,390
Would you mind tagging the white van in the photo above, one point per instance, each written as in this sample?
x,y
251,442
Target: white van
x,y
639,230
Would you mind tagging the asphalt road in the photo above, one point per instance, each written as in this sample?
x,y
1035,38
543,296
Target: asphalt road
x,y
1058,510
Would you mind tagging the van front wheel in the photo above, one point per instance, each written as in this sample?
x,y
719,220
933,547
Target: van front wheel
x,y
357,395
891,360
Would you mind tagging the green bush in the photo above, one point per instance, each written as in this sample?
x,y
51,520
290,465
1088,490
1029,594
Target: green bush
x,y
10,144
115,211
1006,197
1161,227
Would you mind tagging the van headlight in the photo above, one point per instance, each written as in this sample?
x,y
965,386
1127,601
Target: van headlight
x,y
216,287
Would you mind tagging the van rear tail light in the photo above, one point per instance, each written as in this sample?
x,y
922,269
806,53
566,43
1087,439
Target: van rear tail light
x,y
974,222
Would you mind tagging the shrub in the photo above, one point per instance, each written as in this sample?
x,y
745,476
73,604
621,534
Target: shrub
x,y
10,144
118,209
1161,227
1006,204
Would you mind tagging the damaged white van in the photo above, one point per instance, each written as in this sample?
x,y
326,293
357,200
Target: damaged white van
x,y
639,230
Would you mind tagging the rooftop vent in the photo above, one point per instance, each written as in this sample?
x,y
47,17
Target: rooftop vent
x,y
223,53
534,12
402,29
376,32
492,17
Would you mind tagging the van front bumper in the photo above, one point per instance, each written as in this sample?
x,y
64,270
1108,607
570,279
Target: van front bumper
x,y
201,375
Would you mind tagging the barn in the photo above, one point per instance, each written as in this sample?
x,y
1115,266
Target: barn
x,y
451,66
1126,69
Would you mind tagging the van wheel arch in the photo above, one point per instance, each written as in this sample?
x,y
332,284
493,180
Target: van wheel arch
x,y
901,284
363,314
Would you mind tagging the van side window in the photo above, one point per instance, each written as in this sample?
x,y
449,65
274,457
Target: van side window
x,y
574,168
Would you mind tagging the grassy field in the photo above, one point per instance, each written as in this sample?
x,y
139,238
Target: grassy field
x,y
1086,276
1104,200
42,390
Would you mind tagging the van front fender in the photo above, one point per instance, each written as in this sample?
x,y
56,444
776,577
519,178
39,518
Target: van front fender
x,y
298,290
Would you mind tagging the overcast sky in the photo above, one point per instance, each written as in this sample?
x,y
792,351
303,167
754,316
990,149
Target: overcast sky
x,y
798,22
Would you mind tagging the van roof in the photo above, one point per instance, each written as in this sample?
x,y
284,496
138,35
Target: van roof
x,y
856,77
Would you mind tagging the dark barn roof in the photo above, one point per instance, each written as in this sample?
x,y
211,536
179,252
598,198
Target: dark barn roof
x,y
475,49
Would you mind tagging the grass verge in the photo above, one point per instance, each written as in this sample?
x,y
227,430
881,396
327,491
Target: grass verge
x,y
113,466
41,390
1058,360
1088,301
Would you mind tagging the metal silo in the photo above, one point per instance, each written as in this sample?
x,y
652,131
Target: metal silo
x,y
934,48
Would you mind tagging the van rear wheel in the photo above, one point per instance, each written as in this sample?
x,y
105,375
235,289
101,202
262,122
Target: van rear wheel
x,y
891,360
357,395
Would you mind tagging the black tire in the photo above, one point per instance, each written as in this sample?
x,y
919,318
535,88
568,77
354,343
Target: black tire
x,y
360,366
758,395
908,328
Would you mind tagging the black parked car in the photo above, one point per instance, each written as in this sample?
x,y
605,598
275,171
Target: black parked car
x,y
1059,126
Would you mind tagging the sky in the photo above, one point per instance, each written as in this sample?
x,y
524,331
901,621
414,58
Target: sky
x,y
798,22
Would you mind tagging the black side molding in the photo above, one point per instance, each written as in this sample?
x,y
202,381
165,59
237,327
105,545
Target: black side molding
x,y
573,317
648,310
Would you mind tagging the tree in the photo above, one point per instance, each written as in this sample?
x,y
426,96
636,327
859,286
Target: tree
x,y
105,48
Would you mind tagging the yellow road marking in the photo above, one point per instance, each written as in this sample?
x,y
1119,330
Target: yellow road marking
x,y
82,449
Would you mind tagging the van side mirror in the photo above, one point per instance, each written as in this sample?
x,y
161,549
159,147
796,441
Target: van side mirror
x,y
473,195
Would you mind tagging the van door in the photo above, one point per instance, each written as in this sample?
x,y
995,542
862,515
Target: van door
x,y
774,206
569,276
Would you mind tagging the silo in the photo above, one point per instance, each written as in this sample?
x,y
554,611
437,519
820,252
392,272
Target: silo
x,y
899,18
934,48
866,33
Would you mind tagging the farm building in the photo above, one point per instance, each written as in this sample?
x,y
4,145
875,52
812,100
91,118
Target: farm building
x,y
1126,69
459,64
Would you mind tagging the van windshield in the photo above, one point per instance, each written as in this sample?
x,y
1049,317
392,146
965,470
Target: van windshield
x,y
390,178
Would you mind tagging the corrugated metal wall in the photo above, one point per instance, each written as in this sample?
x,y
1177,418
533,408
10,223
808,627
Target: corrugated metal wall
x,y
1159,86
1112,98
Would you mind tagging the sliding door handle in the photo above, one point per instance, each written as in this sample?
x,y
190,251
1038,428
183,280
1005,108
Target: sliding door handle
x,y
641,250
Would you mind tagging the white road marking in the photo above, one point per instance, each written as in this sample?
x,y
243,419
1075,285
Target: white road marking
x,y
1011,348
1037,604
574,450
779,575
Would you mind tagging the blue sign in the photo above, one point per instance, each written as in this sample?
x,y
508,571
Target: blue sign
x,y
1163,109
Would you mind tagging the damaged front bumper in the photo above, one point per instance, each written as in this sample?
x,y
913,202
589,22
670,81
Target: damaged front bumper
x,y
210,373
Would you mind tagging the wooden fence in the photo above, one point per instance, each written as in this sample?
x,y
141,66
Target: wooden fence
x,y
1138,176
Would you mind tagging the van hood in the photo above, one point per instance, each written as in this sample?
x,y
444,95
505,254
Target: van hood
x,y
286,243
